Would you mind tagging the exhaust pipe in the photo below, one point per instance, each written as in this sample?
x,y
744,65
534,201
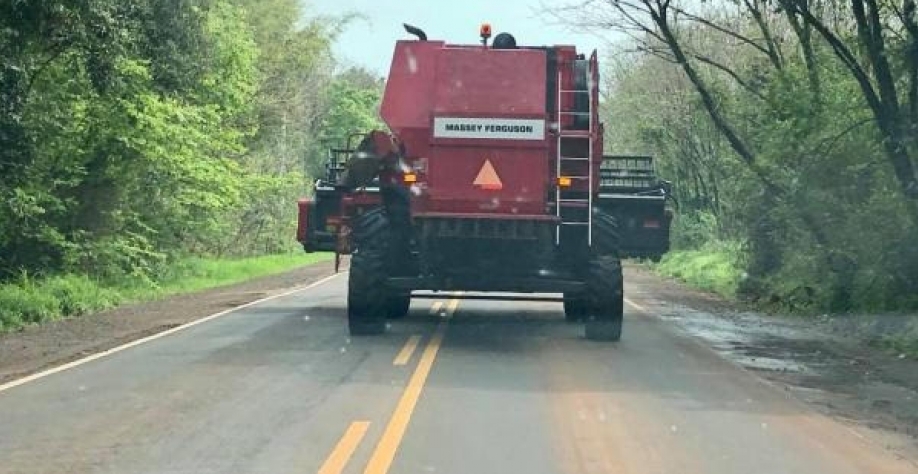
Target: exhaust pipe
x,y
414,30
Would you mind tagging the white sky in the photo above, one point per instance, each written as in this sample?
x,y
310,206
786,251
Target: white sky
x,y
369,42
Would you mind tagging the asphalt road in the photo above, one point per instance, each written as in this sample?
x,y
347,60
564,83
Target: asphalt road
x,y
460,386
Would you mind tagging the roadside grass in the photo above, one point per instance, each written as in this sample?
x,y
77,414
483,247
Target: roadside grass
x,y
717,268
714,267
34,301
903,344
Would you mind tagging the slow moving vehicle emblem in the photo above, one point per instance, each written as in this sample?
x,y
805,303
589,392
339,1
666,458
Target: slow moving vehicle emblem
x,y
488,179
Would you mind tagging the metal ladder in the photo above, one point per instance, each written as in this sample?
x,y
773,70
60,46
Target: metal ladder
x,y
562,202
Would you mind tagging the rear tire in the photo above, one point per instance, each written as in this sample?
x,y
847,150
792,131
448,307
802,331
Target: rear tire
x,y
368,295
605,295
606,299
576,307
398,305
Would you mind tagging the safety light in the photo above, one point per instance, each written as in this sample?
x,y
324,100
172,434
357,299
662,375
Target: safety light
x,y
564,182
410,178
485,31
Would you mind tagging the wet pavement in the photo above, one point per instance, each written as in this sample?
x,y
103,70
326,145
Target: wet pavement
x,y
838,371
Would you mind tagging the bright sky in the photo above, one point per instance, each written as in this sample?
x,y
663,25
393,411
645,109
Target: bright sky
x,y
369,42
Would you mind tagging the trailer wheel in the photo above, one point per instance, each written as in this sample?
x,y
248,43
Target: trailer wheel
x,y
367,292
606,299
575,307
398,304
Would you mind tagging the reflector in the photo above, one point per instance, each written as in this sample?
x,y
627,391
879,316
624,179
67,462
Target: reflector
x,y
488,179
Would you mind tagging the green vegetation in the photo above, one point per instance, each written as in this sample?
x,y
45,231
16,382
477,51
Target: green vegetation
x,y
905,344
711,268
138,136
30,301
790,131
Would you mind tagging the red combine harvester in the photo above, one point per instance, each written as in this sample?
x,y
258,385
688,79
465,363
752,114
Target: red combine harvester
x,y
491,178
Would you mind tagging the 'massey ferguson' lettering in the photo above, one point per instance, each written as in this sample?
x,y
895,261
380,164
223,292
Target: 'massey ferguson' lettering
x,y
510,128
463,127
489,128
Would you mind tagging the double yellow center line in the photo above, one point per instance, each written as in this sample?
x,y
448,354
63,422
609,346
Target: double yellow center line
x,y
384,454
395,430
345,448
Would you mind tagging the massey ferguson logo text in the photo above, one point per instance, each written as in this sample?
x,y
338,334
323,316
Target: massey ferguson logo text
x,y
489,128
461,127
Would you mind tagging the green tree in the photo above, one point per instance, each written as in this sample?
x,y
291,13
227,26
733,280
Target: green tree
x,y
773,139
353,100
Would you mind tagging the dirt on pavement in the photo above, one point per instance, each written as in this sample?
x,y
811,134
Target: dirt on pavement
x,y
39,347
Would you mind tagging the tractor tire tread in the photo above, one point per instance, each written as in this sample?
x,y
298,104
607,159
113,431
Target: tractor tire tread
x,y
606,299
367,295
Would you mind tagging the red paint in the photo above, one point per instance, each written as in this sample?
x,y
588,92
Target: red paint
x,y
408,98
488,179
433,79
302,224
477,82
445,215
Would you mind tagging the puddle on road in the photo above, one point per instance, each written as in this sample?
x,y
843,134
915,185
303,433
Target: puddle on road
x,y
748,340
767,363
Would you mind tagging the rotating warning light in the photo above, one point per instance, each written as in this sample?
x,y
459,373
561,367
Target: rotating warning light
x,y
564,182
485,31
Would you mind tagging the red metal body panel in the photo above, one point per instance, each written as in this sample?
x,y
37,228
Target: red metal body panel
x,y
523,174
484,82
432,81
408,98
302,219
444,215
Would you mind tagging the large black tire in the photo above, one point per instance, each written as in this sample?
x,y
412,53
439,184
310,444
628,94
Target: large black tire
x,y
398,211
576,307
605,292
398,305
606,299
368,295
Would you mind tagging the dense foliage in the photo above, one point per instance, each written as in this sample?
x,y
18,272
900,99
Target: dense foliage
x,y
789,128
135,133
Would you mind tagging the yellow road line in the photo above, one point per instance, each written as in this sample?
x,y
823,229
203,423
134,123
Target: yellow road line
x,y
451,308
345,448
405,354
435,309
636,306
395,430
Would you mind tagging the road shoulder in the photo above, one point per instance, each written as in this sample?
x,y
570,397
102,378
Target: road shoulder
x,y
840,375
40,347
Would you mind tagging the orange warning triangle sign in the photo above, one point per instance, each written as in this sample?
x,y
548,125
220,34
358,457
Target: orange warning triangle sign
x,y
488,179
